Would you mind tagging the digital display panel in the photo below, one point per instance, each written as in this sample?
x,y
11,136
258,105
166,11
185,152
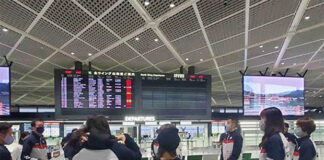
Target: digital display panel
x,y
52,129
285,93
93,92
4,91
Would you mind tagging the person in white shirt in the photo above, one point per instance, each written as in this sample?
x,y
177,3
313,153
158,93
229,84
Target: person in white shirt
x,y
16,152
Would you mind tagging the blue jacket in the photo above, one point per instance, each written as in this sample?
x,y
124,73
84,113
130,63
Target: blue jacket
x,y
34,147
306,149
274,147
4,153
237,147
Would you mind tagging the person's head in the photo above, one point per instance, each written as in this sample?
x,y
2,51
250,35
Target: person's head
x,y
305,127
74,130
38,126
99,123
168,140
6,133
164,127
271,123
286,127
232,124
23,137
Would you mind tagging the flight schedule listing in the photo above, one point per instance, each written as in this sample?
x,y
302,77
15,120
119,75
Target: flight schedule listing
x,y
97,90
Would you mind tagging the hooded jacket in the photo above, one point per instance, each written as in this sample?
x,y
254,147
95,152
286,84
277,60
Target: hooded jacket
x,y
104,147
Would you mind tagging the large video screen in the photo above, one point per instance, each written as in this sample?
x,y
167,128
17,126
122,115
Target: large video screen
x,y
94,92
285,93
4,91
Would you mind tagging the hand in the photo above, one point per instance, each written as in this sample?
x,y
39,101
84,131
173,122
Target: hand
x,y
121,138
84,137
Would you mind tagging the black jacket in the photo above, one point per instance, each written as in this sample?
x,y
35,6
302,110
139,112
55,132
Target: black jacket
x,y
274,147
306,149
238,143
290,137
4,153
34,147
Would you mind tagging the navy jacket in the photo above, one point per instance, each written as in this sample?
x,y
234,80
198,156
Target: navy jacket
x,y
306,149
237,147
4,153
290,137
274,147
34,147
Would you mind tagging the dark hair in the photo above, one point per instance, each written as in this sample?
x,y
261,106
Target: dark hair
x,y
274,123
236,122
33,123
74,129
286,125
306,124
161,151
165,126
23,135
4,127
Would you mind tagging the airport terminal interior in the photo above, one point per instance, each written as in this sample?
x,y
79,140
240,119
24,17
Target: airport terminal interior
x,y
143,64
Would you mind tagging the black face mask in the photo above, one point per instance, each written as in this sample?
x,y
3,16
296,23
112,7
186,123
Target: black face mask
x,y
40,130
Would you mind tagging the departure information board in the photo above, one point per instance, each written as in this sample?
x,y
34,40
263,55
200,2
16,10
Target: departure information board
x,y
118,94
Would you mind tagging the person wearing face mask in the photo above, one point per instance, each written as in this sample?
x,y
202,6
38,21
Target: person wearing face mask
x,y
34,146
292,140
306,148
274,145
6,138
232,141
16,152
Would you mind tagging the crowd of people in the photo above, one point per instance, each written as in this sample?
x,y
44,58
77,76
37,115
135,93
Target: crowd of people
x,y
95,141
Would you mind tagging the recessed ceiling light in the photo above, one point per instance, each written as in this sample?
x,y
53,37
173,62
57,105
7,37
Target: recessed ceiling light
x,y
172,5
320,96
41,47
156,40
201,60
282,63
276,47
89,54
307,91
262,50
295,64
72,53
136,38
5,29
307,17
187,59
146,3
261,46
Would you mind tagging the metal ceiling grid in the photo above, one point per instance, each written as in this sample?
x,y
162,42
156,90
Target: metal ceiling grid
x,y
232,58
80,49
23,58
316,17
145,42
235,67
263,59
123,19
4,50
104,62
20,68
34,48
229,45
62,60
204,66
196,56
137,64
149,70
316,64
9,38
98,36
120,68
228,27
319,55
158,55
15,15
315,2
122,53
302,49
68,15
48,67
169,65
180,24
97,7
230,76
36,5
265,48
291,62
158,8
49,33
41,74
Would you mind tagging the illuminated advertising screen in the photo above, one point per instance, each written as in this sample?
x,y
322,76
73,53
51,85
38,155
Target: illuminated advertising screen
x,y
4,91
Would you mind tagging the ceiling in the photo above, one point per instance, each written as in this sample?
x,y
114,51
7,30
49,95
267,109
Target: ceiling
x,y
219,37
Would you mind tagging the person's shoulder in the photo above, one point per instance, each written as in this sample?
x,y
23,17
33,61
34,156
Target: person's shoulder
x,y
275,138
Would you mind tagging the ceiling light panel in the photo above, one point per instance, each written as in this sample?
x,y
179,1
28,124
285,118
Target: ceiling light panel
x,y
50,33
15,15
68,15
180,24
123,19
229,27
146,43
80,49
315,17
98,36
9,38
35,48
97,7
159,55
195,56
122,53
158,8
212,11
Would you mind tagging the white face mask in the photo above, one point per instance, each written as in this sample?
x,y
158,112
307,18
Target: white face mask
x,y
228,127
299,132
262,125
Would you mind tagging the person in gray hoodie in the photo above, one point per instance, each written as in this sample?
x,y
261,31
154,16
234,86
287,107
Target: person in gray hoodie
x,y
98,143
